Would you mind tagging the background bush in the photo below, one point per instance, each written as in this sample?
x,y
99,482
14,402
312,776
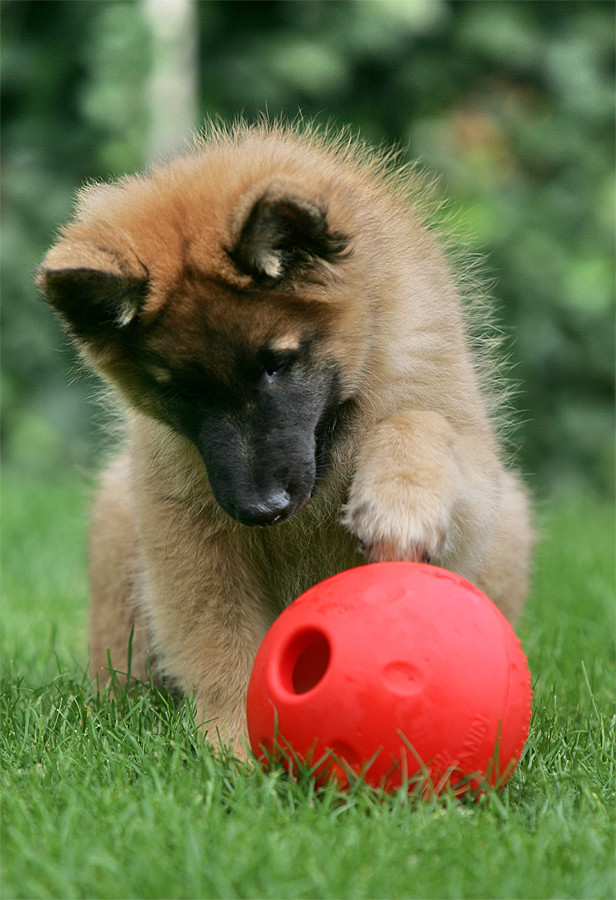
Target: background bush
x,y
511,102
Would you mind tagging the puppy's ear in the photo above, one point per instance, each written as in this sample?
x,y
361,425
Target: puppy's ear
x,y
283,233
93,290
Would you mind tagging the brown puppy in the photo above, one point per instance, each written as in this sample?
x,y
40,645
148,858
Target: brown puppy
x,y
291,349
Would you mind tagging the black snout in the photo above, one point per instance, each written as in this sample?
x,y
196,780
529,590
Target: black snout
x,y
257,478
261,453
266,511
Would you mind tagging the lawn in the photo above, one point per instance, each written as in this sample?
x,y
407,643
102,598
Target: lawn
x,y
119,798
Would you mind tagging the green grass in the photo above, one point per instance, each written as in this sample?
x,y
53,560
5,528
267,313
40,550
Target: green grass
x,y
120,798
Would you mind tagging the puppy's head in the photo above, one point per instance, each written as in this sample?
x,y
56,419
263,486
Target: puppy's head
x,y
215,320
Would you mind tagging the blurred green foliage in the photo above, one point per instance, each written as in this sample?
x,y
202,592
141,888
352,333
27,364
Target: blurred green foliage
x,y
511,102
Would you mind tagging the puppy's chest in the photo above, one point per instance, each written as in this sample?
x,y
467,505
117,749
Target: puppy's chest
x,y
297,558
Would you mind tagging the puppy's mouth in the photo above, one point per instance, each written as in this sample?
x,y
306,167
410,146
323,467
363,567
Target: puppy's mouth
x,y
304,504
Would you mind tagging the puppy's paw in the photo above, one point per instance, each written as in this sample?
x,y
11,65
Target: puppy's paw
x,y
403,528
388,550
402,498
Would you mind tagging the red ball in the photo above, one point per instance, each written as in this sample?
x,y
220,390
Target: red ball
x,y
397,671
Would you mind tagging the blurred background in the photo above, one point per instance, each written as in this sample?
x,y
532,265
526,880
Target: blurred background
x,y
511,104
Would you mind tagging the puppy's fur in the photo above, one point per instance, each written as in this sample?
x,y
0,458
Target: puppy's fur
x,y
291,349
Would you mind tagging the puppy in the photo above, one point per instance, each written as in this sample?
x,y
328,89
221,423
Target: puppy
x,y
301,393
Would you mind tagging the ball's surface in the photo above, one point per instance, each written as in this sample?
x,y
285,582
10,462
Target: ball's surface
x,y
401,672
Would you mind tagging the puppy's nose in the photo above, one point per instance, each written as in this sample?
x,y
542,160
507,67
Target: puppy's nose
x,y
267,512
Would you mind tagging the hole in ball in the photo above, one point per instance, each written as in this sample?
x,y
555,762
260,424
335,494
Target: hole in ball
x,y
306,661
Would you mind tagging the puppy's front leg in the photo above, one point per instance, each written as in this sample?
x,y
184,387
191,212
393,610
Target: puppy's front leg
x,y
422,491
220,659
204,602
211,653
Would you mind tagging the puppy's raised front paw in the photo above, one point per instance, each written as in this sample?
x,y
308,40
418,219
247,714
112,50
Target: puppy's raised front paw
x,y
397,531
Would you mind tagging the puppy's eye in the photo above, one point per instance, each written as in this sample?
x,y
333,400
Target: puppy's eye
x,y
276,367
275,364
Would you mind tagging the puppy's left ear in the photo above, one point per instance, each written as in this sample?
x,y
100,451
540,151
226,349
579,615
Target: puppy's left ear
x,y
94,290
283,233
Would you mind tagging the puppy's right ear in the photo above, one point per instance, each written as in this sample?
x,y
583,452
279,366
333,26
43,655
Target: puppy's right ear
x,y
282,233
92,289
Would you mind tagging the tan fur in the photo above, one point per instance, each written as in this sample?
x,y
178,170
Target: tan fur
x,y
418,475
